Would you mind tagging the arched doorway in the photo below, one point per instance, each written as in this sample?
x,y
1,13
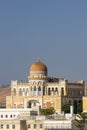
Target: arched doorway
x,y
75,106
33,104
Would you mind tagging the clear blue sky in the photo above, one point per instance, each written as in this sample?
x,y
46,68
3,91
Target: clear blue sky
x,y
54,30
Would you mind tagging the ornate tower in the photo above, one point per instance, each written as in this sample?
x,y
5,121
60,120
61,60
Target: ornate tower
x,y
38,78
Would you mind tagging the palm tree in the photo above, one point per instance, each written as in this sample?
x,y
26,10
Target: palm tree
x,y
80,121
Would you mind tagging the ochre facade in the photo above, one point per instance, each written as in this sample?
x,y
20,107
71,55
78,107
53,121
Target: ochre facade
x,y
43,91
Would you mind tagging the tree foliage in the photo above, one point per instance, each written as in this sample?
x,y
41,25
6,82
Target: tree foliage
x,y
81,120
2,107
47,111
79,107
66,108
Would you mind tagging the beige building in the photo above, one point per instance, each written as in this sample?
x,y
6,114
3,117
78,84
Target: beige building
x,y
85,100
42,91
36,123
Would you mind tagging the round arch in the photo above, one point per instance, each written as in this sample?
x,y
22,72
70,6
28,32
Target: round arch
x,y
32,103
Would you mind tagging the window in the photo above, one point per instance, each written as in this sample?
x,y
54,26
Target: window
x,y
56,89
39,89
41,126
31,88
49,91
52,89
34,126
26,93
10,116
6,116
13,126
20,92
14,105
43,90
29,126
1,116
69,101
14,115
1,126
34,88
34,103
62,91
14,91
23,89
7,126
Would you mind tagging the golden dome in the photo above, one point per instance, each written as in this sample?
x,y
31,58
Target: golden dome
x,y
38,66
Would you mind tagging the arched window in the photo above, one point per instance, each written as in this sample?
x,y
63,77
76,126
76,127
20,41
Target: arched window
x,y
56,91
6,116
39,91
35,92
10,116
1,116
31,88
14,91
39,88
34,103
34,88
62,91
43,90
23,89
49,91
23,92
53,89
29,104
20,92
27,89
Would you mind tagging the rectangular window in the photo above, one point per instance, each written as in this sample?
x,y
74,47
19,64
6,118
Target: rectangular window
x,y
1,126
13,126
7,126
34,126
29,126
41,126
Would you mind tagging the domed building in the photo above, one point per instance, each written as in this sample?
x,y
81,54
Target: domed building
x,y
42,91
38,71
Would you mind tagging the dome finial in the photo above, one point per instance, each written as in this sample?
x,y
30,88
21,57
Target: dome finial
x,y
38,59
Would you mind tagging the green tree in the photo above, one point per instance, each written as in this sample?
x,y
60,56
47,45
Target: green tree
x,y
79,107
66,108
81,120
2,107
48,111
